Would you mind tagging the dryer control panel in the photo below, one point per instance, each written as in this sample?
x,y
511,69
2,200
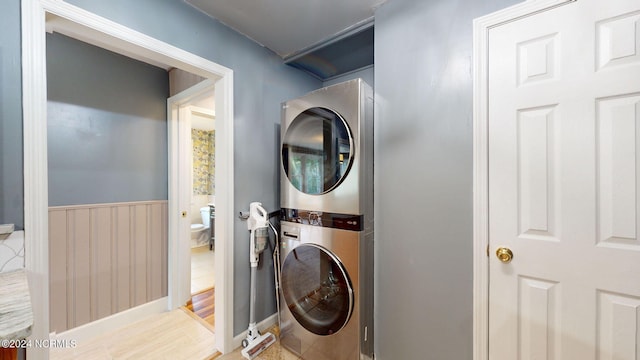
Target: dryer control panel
x,y
324,219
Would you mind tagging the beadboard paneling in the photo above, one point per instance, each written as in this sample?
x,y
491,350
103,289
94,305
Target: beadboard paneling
x,y
105,258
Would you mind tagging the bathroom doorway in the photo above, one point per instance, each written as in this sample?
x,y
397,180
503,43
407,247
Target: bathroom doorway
x,y
193,116
202,240
200,112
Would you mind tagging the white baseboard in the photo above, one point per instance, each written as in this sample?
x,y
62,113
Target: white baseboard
x,y
264,324
113,322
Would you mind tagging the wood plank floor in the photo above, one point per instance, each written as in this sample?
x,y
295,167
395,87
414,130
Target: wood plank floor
x,y
203,305
170,335
203,264
274,352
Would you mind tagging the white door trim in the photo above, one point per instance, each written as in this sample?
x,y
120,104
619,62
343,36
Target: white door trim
x,y
179,200
481,253
179,130
101,31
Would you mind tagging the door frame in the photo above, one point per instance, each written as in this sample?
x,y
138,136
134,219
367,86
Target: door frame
x,y
178,110
481,250
112,36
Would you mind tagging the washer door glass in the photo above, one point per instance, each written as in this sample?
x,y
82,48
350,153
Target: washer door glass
x,y
317,289
317,151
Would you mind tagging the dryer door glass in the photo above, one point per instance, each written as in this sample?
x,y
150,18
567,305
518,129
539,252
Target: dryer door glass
x,y
317,151
317,289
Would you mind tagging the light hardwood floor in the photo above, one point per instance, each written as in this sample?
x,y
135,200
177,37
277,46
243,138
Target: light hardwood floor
x,y
274,352
179,334
170,335
203,305
202,269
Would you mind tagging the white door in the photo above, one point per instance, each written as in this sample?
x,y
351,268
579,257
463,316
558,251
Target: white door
x,y
564,157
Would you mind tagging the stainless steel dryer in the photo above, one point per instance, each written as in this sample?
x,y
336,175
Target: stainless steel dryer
x,y
327,292
327,228
327,149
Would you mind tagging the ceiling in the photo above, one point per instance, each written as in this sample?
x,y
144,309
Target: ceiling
x,y
303,32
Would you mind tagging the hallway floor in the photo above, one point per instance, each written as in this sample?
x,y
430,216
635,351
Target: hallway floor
x,y
274,352
202,269
170,335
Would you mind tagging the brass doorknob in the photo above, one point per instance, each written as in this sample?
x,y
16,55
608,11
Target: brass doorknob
x,y
504,254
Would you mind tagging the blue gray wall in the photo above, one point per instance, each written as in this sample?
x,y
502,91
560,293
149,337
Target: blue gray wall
x,y
261,83
106,125
423,154
366,74
11,179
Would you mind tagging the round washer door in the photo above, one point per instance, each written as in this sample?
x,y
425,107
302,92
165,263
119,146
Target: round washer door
x,y
317,151
317,289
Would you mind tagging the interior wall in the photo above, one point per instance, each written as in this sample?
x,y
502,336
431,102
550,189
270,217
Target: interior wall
x,y
104,259
106,125
107,148
423,155
261,83
11,169
366,74
180,80
203,163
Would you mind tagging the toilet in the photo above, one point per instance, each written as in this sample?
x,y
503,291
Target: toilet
x,y
199,232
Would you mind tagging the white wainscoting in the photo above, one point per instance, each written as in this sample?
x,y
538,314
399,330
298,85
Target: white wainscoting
x,y
104,259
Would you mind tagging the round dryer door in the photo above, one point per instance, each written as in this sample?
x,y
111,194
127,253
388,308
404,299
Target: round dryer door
x,y
317,289
317,151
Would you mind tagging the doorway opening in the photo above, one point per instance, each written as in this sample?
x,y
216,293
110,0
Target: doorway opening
x,y
203,198
41,16
195,111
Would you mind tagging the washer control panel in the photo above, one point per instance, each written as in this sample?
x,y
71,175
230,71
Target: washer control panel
x,y
324,219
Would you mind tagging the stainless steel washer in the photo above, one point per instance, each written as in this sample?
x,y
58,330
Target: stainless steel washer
x,y
327,292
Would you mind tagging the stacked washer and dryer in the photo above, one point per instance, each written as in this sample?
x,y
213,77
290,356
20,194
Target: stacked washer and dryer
x,y
326,277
